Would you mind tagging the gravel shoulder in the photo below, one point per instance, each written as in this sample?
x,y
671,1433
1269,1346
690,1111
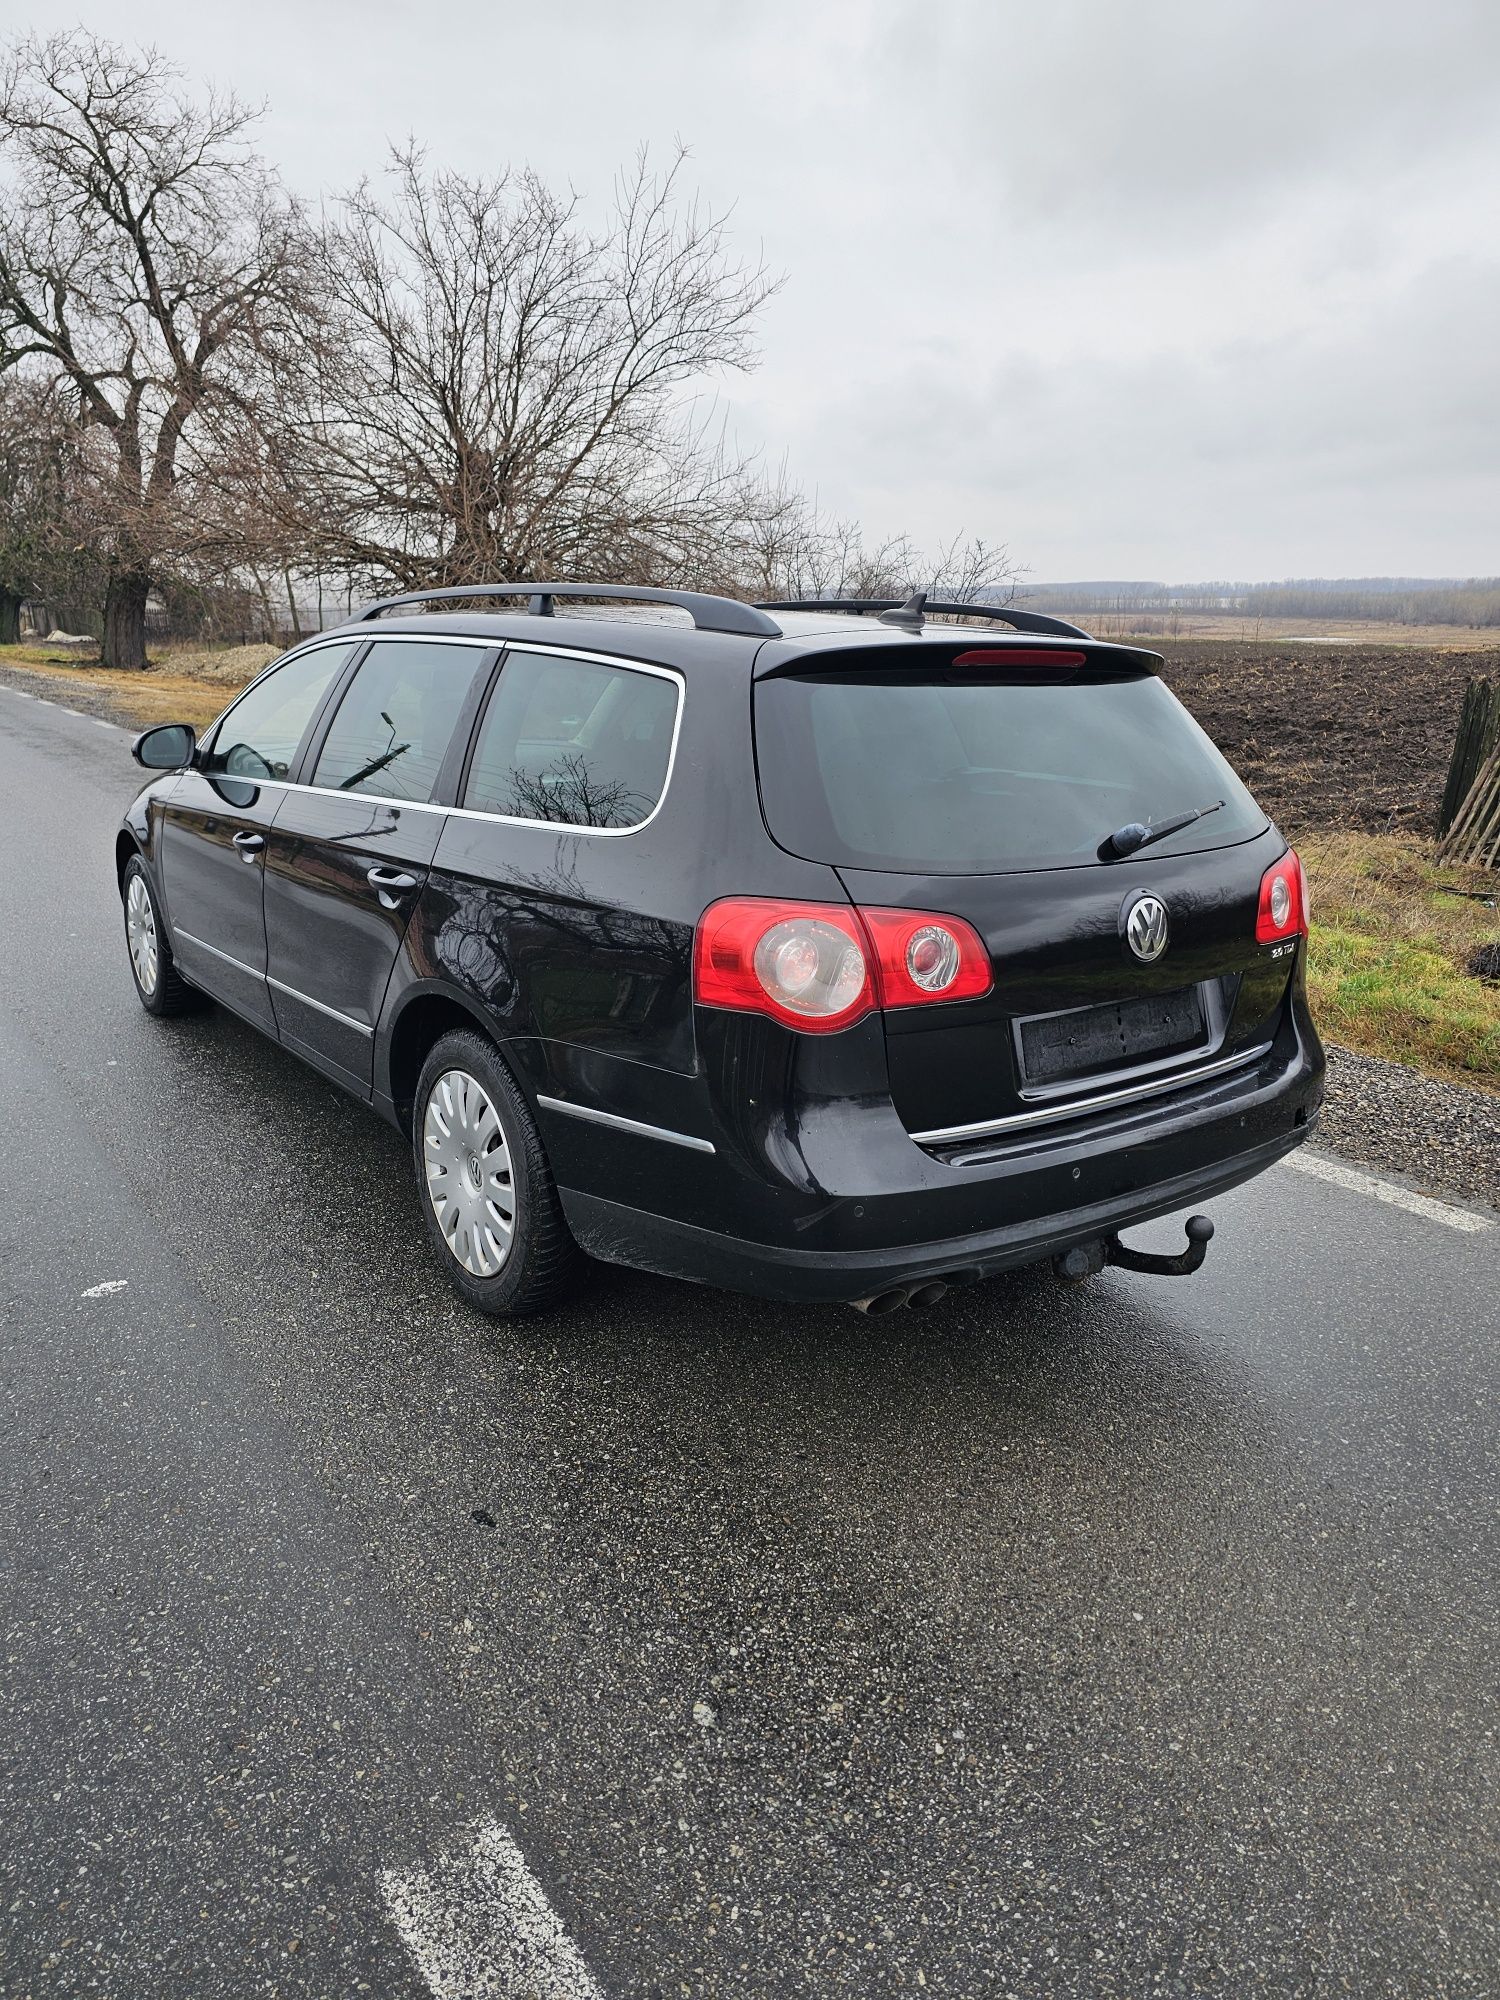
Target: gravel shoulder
x,y
1442,1137
134,701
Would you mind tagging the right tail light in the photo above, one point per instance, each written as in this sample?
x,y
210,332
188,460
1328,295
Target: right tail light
x,y
1283,901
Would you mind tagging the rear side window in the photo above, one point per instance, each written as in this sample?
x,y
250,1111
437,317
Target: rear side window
x,y
394,724
260,735
935,773
578,742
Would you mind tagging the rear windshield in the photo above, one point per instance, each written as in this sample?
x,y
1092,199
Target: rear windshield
x,y
935,773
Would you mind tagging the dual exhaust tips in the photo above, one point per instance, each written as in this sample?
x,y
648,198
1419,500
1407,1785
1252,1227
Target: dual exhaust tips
x,y
1072,1266
926,1294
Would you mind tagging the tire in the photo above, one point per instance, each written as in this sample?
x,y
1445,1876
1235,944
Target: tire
x,y
161,988
478,1157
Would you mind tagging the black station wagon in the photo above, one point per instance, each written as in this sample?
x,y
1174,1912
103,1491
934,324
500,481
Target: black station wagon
x,y
830,951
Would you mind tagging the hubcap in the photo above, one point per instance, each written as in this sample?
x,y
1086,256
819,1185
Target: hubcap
x,y
468,1173
140,934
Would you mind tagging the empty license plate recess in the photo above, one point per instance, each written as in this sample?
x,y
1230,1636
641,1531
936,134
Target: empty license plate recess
x,y
1087,1040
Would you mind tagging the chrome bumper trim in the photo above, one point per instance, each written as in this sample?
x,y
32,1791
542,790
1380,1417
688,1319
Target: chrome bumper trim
x,y
625,1124
1080,1107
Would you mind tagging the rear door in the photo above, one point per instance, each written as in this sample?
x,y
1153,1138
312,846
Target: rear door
x,y
991,796
351,849
216,826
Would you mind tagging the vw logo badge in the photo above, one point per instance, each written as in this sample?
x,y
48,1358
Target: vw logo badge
x,y
1145,925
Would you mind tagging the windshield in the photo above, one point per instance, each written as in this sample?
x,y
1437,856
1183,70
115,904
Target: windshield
x,y
939,774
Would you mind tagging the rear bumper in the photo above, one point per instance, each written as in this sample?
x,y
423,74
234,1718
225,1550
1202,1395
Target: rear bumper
x,y
916,1217
621,1235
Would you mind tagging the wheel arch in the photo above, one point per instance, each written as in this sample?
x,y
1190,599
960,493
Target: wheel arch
x,y
126,848
415,1030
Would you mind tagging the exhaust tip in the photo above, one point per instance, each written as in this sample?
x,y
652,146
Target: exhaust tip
x,y
880,1303
929,1294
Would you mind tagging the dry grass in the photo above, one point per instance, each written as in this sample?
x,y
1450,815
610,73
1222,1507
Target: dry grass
x,y
1392,934
178,687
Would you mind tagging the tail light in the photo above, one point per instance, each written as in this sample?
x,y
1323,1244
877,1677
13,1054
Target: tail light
x,y
824,966
921,957
1283,901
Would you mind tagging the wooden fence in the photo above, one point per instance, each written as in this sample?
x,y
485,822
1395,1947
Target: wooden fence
x,y
1478,733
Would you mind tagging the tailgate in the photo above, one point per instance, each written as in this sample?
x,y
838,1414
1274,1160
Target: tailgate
x,y
1073,1011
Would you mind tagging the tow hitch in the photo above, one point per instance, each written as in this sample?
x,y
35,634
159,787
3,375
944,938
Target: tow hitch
x,y
1085,1259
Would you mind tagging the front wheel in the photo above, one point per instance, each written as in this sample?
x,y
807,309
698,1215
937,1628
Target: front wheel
x,y
488,1198
160,987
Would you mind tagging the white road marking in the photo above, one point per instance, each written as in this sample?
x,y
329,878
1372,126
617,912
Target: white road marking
x,y
107,1289
1399,1197
478,1926
25,694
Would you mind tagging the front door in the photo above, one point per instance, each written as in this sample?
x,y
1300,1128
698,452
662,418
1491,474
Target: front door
x,y
216,823
349,856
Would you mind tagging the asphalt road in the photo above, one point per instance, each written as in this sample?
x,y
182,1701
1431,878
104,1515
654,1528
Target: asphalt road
x,y
1137,1640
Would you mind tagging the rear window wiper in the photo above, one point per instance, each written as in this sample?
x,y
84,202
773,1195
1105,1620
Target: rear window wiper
x,y
1130,839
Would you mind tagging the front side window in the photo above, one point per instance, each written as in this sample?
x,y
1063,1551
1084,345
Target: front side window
x,y
260,735
574,741
397,718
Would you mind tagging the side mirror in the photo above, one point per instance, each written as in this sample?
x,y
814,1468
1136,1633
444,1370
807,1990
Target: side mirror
x,y
168,747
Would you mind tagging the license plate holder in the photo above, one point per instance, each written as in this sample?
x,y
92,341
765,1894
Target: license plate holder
x,y
1119,1034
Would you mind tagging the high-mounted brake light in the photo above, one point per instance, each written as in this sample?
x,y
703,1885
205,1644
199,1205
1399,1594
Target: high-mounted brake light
x,y
1283,901
1056,659
823,966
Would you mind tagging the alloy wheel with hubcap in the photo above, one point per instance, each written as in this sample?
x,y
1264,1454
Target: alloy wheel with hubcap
x,y
469,1178
489,1201
140,935
160,987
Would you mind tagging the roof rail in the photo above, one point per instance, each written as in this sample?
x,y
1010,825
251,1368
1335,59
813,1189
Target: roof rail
x,y
709,614
910,612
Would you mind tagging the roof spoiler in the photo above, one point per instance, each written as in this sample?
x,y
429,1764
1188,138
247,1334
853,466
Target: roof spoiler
x,y
910,613
709,614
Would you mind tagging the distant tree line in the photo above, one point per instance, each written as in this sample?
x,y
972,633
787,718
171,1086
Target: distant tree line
x,y
214,400
1474,601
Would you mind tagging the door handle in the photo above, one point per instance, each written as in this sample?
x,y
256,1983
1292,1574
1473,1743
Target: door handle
x,y
390,882
249,844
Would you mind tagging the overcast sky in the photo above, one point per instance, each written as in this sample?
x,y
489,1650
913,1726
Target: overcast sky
x,y
1144,288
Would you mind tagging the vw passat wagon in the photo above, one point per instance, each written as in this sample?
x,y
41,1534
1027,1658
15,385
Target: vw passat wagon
x,y
826,952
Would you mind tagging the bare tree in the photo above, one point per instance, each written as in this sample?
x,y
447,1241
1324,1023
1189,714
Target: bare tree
x,y
145,252
42,556
496,390
787,547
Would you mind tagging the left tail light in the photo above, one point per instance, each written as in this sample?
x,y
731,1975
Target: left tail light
x,y
1283,901
823,966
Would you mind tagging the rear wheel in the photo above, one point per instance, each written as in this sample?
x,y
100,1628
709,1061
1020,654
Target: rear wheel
x,y
161,987
488,1198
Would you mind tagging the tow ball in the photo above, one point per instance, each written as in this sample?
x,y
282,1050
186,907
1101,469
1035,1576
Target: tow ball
x,y
1085,1259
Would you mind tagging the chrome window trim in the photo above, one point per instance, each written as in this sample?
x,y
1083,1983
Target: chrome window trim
x,y
471,812
338,637
1102,1101
318,1007
620,1124
600,660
